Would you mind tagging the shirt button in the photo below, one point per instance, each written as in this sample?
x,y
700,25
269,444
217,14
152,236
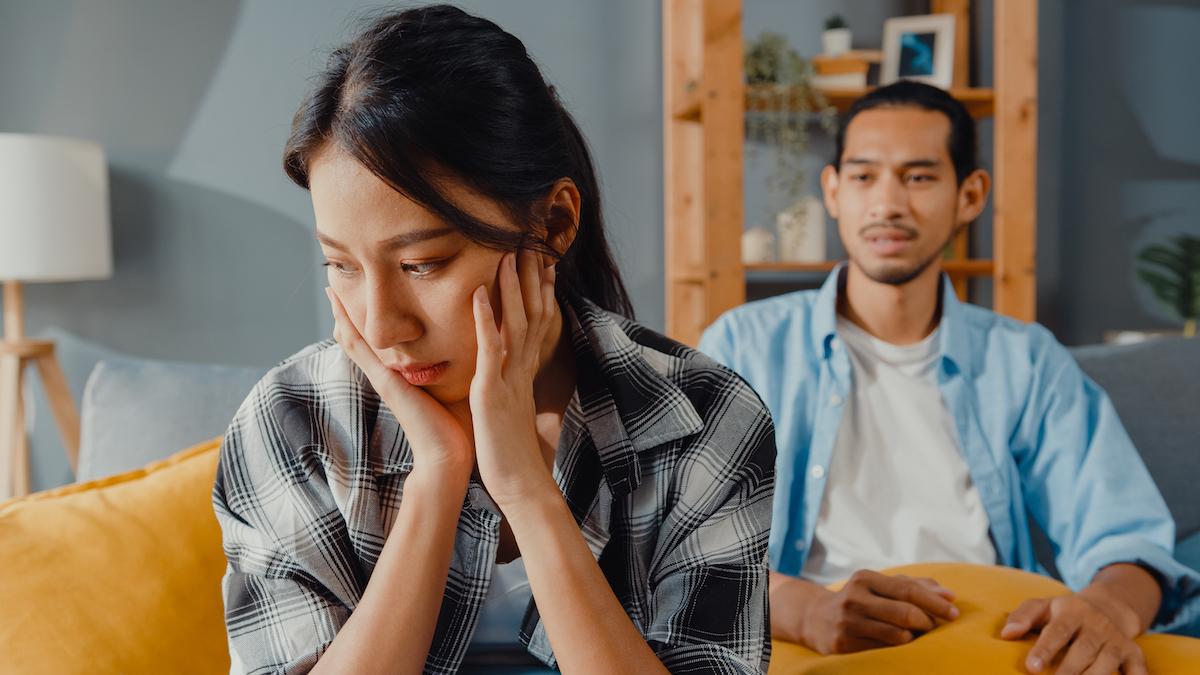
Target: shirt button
x,y
835,344
817,472
835,400
799,544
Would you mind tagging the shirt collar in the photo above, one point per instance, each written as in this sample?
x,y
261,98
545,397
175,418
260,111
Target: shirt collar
x,y
629,404
956,344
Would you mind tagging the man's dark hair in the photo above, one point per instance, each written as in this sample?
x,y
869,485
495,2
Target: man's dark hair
x,y
433,92
964,151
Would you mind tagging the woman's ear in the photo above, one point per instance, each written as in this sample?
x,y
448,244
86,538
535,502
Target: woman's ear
x,y
562,215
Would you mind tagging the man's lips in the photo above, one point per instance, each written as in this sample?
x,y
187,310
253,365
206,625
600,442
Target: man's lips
x,y
420,374
887,241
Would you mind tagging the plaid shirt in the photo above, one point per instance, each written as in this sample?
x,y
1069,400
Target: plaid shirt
x,y
666,460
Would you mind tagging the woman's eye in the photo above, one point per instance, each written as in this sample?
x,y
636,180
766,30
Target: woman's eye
x,y
421,269
343,269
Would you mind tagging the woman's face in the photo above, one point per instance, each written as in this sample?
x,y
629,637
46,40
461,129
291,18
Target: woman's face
x,y
403,275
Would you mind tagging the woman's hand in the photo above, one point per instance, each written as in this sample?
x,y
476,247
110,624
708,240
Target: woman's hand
x,y
503,412
440,442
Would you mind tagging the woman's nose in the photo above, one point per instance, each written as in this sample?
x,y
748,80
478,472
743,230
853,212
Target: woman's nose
x,y
390,318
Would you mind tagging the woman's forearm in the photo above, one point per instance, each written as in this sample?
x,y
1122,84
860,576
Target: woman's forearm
x,y
588,629
392,627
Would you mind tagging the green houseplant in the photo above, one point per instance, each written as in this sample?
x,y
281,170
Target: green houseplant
x,y
781,100
1172,271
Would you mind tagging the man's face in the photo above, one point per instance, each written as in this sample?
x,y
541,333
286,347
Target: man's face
x,y
896,198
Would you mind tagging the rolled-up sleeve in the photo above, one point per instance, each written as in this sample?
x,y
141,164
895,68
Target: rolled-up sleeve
x,y
1086,485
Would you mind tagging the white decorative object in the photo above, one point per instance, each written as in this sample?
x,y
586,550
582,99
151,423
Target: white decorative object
x,y
802,231
757,245
835,41
919,48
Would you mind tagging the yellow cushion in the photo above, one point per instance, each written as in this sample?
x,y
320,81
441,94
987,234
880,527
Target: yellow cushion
x,y
119,575
971,643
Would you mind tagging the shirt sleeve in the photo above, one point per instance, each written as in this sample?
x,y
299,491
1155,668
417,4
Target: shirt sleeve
x,y
278,616
1088,488
710,584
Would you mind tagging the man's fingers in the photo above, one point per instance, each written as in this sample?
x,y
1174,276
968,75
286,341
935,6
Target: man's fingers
x,y
1056,635
1029,615
1133,664
935,587
915,593
903,615
882,632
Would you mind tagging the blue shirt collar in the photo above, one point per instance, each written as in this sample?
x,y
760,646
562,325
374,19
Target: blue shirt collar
x,y
956,345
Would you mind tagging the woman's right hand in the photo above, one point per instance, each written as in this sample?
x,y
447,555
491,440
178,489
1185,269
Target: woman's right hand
x,y
441,442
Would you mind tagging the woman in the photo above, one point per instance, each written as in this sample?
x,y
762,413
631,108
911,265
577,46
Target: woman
x,y
490,460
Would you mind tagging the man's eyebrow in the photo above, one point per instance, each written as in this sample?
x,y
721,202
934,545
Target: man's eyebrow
x,y
933,162
399,241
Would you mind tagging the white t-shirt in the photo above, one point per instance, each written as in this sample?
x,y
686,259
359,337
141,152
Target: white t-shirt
x,y
898,490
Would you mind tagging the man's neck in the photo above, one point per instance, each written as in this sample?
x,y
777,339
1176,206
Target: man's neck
x,y
901,315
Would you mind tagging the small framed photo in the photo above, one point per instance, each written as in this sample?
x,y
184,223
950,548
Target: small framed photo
x,y
918,48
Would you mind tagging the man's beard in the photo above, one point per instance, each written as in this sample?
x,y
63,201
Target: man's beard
x,y
900,276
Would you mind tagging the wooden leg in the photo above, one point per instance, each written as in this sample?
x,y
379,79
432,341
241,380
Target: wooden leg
x,y
58,393
10,392
20,442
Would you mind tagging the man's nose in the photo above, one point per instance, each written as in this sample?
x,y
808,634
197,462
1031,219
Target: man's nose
x,y
888,198
390,318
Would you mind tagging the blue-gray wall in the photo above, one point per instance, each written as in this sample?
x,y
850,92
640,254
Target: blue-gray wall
x,y
214,254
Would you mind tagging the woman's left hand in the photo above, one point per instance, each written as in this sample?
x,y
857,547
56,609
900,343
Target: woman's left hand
x,y
503,413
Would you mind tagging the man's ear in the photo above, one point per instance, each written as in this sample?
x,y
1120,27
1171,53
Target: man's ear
x,y
829,188
563,205
972,195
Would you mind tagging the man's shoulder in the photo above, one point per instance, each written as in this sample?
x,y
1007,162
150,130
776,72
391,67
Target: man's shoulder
x,y
756,321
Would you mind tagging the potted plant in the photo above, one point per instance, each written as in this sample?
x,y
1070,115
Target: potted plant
x,y
781,102
1173,274
836,38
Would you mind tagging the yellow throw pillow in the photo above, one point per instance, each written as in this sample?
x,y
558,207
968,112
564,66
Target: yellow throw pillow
x,y
119,575
971,643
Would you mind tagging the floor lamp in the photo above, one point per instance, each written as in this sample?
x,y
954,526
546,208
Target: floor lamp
x,y
54,226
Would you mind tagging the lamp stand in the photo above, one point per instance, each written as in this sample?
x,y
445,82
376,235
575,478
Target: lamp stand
x,y
15,352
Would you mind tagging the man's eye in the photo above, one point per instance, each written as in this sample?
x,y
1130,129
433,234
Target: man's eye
x,y
920,178
421,269
860,176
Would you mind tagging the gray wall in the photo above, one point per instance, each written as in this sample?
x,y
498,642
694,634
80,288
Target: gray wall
x,y
214,254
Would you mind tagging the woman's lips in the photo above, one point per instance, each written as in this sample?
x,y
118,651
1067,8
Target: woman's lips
x,y
422,374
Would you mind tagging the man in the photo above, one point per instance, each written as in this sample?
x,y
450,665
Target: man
x,y
913,428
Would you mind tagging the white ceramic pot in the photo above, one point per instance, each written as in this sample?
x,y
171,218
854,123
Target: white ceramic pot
x,y
836,41
757,246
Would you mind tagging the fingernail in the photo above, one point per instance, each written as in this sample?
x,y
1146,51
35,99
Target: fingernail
x,y
953,613
1035,664
481,293
512,261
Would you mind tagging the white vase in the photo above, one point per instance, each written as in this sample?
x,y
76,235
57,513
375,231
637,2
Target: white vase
x,y
835,41
757,245
802,231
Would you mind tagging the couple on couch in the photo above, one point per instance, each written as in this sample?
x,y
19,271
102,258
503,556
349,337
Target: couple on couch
x,y
493,464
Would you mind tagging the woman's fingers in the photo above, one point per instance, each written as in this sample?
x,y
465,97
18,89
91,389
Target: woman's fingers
x,y
490,357
514,324
530,270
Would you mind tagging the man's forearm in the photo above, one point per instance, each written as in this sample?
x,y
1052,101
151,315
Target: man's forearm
x,y
790,599
1128,594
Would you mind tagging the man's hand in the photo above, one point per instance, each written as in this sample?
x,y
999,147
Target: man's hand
x,y
1095,627
871,610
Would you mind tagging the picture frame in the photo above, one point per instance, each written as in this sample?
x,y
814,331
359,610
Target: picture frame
x,y
919,48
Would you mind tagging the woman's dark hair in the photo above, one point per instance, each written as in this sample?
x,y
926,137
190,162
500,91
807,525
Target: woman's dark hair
x,y
434,93
964,151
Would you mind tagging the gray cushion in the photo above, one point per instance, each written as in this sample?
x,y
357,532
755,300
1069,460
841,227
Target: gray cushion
x,y
136,411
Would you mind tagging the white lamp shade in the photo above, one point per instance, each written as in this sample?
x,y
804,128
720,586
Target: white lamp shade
x,y
54,216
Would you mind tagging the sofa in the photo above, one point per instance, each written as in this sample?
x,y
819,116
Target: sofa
x,y
120,571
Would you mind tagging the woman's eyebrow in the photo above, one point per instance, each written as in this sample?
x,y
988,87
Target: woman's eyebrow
x,y
399,241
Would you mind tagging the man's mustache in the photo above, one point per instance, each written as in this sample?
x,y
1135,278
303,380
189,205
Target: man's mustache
x,y
906,229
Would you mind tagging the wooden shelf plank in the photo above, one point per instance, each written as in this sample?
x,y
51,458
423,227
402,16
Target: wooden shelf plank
x,y
689,106
979,267
980,101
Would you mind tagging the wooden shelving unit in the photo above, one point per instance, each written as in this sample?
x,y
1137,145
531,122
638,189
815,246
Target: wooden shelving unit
x,y
705,100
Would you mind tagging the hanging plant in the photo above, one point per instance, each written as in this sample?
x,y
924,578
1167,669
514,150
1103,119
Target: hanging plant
x,y
1174,277
781,101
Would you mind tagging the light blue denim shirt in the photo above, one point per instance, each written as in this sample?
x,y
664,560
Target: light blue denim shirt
x,y
1036,433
